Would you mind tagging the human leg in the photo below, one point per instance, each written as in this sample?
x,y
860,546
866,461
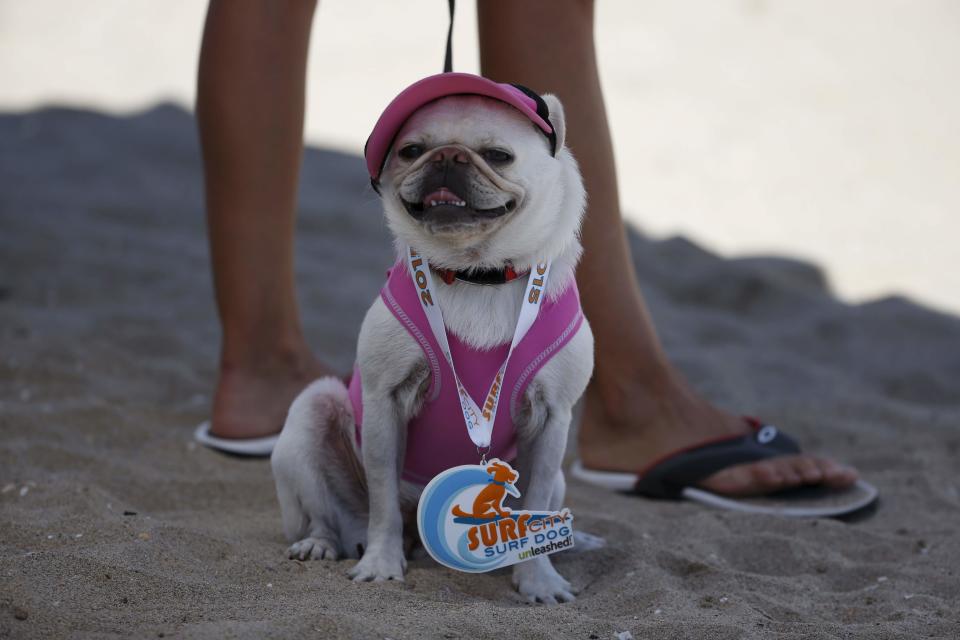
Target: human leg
x,y
250,104
637,407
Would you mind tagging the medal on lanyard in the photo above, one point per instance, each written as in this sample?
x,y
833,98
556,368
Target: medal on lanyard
x,y
461,518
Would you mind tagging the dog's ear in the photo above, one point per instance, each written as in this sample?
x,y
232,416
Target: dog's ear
x,y
557,118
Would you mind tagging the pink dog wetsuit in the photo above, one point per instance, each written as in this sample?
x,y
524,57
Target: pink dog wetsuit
x,y
436,437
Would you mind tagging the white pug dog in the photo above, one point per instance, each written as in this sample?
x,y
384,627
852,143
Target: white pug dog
x,y
506,198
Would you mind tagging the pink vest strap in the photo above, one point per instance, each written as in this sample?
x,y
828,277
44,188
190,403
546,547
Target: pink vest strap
x,y
436,437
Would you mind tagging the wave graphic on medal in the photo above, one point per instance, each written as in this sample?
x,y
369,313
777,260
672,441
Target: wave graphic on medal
x,y
464,525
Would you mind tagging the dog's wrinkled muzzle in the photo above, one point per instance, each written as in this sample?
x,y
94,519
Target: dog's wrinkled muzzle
x,y
446,194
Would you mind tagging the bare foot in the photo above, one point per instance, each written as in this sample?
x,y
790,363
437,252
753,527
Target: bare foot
x,y
625,429
252,398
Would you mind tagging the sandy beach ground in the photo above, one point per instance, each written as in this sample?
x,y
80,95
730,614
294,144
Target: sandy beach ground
x,y
825,130
114,524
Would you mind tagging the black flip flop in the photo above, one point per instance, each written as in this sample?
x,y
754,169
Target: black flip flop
x,y
674,476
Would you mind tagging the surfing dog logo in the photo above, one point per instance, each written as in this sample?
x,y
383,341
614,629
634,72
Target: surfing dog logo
x,y
464,524
489,502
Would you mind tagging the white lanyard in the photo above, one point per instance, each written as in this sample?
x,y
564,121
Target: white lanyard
x,y
479,420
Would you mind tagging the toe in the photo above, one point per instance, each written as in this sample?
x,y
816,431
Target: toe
x,y
565,596
320,552
733,481
789,468
768,477
801,470
358,575
299,550
753,479
312,549
809,470
776,474
836,475
756,478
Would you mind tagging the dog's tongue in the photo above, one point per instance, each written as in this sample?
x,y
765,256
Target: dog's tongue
x,y
442,196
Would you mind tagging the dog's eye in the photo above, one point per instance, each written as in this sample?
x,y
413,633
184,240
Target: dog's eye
x,y
411,152
497,156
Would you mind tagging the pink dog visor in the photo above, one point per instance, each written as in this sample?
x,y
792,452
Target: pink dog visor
x,y
442,85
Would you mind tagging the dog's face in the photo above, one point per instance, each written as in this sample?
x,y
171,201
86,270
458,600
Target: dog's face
x,y
502,473
471,182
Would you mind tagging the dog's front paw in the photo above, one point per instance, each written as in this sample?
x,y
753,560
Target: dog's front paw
x,y
313,549
379,565
538,581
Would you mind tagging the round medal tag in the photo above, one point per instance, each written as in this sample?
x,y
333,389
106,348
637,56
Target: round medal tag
x,y
465,526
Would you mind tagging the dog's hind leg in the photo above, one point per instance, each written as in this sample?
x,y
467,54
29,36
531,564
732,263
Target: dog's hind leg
x,y
315,468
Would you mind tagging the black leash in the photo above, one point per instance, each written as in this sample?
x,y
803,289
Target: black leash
x,y
448,60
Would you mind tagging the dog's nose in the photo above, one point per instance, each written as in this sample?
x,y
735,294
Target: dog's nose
x,y
445,155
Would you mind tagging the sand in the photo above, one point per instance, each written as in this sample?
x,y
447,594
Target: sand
x,y
113,523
